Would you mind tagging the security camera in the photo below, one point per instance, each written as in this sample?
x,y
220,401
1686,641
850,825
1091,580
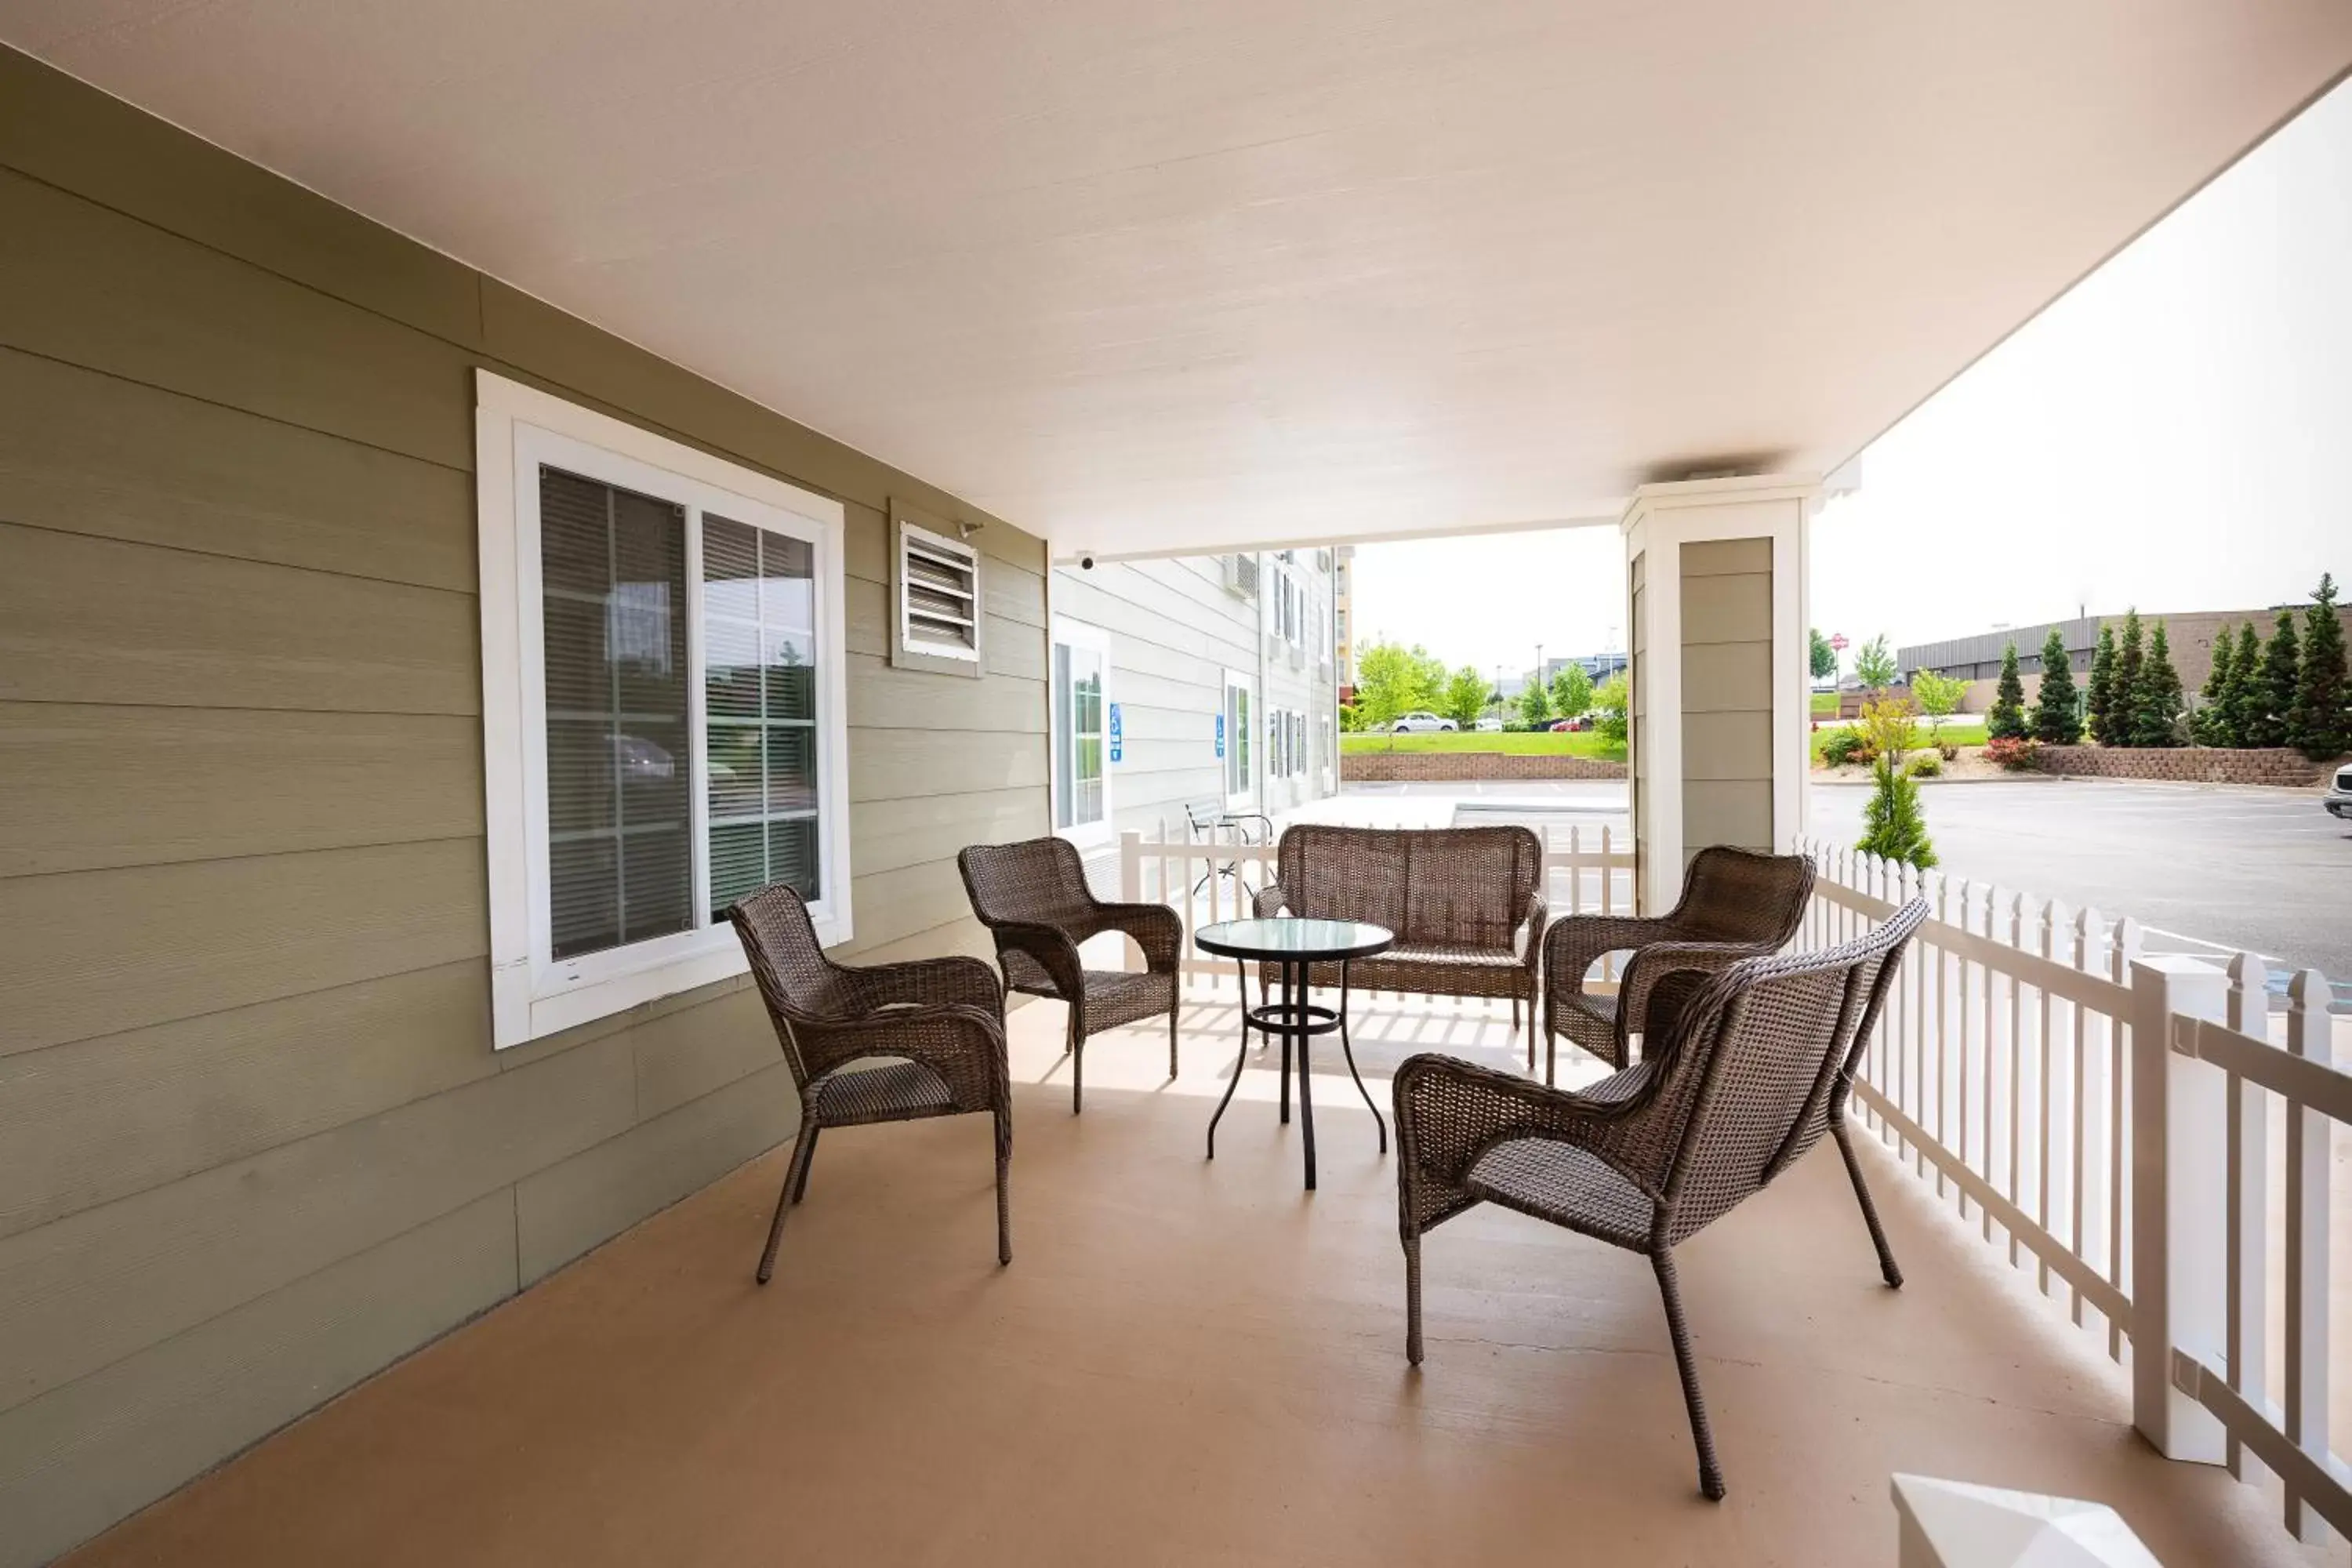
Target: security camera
x,y
1086,561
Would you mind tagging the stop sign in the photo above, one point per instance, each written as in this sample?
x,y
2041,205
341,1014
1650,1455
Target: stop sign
x,y
1837,641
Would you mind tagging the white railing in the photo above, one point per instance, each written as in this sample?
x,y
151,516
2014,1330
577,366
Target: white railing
x,y
1203,883
2110,1114
2002,1066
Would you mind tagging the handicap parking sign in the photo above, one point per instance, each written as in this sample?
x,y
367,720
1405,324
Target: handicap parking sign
x,y
1220,734
1117,735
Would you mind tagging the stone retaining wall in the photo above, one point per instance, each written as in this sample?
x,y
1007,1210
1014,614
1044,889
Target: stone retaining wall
x,y
2188,764
1447,767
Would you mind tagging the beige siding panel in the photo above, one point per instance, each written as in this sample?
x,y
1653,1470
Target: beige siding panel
x,y
83,1456
71,135
1007,647
895,905
694,1052
894,764
882,697
1737,811
108,292
95,952
559,348
84,1293
1728,745
172,629
888,835
1727,678
592,1197
87,453
1728,609
965,935
1725,557
100,786
88,1123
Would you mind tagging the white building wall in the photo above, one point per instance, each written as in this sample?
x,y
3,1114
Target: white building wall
x,y
1173,632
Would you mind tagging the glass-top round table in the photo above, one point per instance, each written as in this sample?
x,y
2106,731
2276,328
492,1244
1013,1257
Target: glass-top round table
x,y
1294,946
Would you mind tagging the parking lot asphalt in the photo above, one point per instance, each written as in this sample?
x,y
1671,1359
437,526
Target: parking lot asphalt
x,y
2266,869
2203,866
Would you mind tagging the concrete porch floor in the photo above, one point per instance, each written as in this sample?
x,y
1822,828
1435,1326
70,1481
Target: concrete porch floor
x,y
1193,1363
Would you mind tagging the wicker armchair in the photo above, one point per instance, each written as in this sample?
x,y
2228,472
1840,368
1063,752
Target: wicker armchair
x,y
1033,896
942,1019
1736,904
1753,1067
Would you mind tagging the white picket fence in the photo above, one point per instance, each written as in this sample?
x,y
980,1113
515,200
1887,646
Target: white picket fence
x,y
1204,883
2108,1113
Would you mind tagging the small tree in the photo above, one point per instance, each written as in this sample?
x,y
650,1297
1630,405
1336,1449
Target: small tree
x,y
2271,697
1466,696
1350,720
1938,697
1393,679
2213,725
2101,699
1535,703
1823,656
2055,720
1875,666
2243,696
2322,722
1892,826
2123,696
1614,698
2156,700
2006,719
1571,690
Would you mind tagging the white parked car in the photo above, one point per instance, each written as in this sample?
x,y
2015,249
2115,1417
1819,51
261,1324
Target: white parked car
x,y
1490,726
1420,722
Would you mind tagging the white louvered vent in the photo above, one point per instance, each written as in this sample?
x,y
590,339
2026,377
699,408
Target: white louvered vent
x,y
1241,575
939,595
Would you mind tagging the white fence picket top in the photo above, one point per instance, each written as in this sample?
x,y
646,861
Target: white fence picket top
x,y
2004,1065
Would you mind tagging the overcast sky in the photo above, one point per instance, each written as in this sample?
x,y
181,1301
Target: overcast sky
x,y
2176,433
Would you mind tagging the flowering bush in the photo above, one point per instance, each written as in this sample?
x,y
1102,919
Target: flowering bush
x,y
2015,753
1843,747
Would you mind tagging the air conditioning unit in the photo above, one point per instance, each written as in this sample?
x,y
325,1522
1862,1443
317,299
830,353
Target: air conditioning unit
x,y
1241,575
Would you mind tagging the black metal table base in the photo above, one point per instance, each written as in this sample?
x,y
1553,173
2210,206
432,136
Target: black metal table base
x,y
1296,1020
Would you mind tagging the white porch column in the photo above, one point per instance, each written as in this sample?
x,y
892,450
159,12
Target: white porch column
x,y
1715,584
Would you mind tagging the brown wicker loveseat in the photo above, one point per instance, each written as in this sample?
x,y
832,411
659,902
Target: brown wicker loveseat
x,y
1466,905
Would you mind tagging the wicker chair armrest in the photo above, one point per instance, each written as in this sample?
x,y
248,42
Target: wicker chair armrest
x,y
1574,941
963,1045
1539,914
1450,1111
1052,948
1269,901
1653,964
956,980
1158,930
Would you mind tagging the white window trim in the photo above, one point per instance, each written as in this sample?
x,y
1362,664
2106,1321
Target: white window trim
x,y
1247,794
1080,633
515,428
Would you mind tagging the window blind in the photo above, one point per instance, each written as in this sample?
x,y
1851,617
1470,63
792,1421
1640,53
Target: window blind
x,y
759,653
613,590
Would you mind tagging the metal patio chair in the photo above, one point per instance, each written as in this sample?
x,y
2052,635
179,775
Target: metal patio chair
x,y
1205,820
1753,1067
942,1020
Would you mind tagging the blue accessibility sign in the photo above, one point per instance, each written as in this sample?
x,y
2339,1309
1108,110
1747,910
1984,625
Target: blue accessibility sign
x,y
1221,735
1117,735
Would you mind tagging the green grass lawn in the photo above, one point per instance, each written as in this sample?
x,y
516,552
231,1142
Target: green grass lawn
x,y
1955,732
1581,743
1825,704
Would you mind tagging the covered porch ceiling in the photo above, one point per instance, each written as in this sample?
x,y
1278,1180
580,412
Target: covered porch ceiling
x,y
1149,278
